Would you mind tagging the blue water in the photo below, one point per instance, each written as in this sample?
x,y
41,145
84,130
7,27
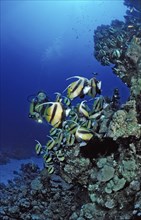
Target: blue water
x,y
42,44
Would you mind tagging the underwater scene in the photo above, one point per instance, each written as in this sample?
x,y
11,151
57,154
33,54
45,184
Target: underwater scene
x,y
70,103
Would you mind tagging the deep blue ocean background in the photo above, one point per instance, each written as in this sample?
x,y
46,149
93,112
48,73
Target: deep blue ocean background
x,y
42,44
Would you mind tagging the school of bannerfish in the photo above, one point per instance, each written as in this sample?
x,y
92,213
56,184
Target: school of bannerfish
x,y
71,124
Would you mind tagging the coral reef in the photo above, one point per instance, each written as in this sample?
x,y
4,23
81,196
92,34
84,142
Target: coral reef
x,y
93,158
35,196
120,44
124,122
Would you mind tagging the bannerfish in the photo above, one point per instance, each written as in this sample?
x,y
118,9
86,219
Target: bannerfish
x,y
72,126
51,143
99,104
53,131
63,99
50,167
59,137
83,134
77,88
70,139
38,148
83,110
87,124
55,113
47,157
66,101
74,116
60,155
95,86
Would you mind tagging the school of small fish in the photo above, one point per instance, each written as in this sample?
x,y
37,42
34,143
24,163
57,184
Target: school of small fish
x,y
71,124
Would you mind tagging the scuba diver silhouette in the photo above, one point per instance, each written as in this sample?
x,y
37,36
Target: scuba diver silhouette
x,y
37,112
